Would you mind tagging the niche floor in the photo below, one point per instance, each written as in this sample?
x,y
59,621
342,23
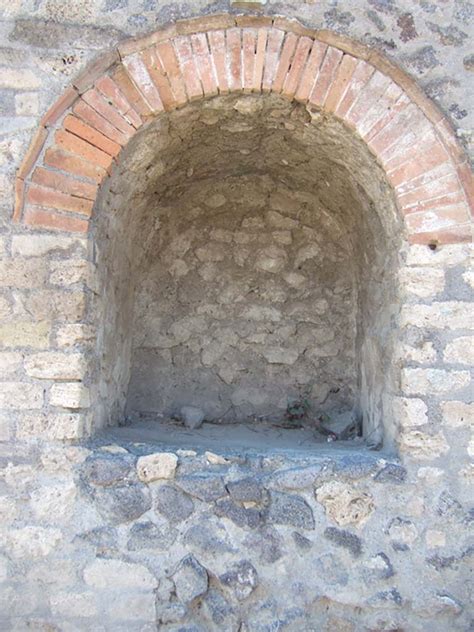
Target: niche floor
x,y
260,438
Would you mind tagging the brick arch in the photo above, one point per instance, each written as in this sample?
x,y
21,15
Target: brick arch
x,y
82,134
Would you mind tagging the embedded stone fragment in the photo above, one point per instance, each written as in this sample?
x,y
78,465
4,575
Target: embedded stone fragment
x,y
191,580
215,459
460,351
220,610
420,445
410,412
457,414
402,533
51,365
192,417
106,469
289,509
241,516
147,535
391,473
267,544
173,504
247,489
301,541
386,598
18,395
345,504
103,573
71,395
378,567
299,477
122,503
208,537
423,281
241,578
345,539
433,381
32,542
201,486
152,467
446,315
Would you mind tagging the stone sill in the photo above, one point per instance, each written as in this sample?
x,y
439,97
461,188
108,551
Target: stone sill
x,y
202,451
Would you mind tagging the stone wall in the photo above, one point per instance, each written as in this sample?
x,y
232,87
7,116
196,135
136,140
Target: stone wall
x,y
92,536
121,537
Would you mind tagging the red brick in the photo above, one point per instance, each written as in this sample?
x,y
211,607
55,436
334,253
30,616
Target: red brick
x,y
98,122
184,53
234,63
442,171
142,80
56,157
115,96
447,199
325,77
131,92
249,42
448,136
311,71
369,96
109,112
63,183
274,42
58,108
380,111
19,199
42,218
338,86
431,190
139,44
421,161
33,152
394,130
452,235
259,60
437,219
205,23
298,64
361,75
465,176
286,56
291,25
391,112
417,133
49,198
95,69
219,55
76,145
407,148
91,135
253,21
172,71
157,73
203,62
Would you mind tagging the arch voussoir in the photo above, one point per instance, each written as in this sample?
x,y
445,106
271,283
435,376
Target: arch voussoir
x,y
83,133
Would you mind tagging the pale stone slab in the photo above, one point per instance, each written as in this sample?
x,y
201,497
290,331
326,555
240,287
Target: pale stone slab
x,y
161,465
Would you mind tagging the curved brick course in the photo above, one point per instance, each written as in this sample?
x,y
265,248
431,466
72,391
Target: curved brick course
x,y
82,134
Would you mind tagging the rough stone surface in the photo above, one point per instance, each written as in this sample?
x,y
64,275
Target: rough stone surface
x,y
291,510
173,504
156,466
272,278
344,503
190,579
241,578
